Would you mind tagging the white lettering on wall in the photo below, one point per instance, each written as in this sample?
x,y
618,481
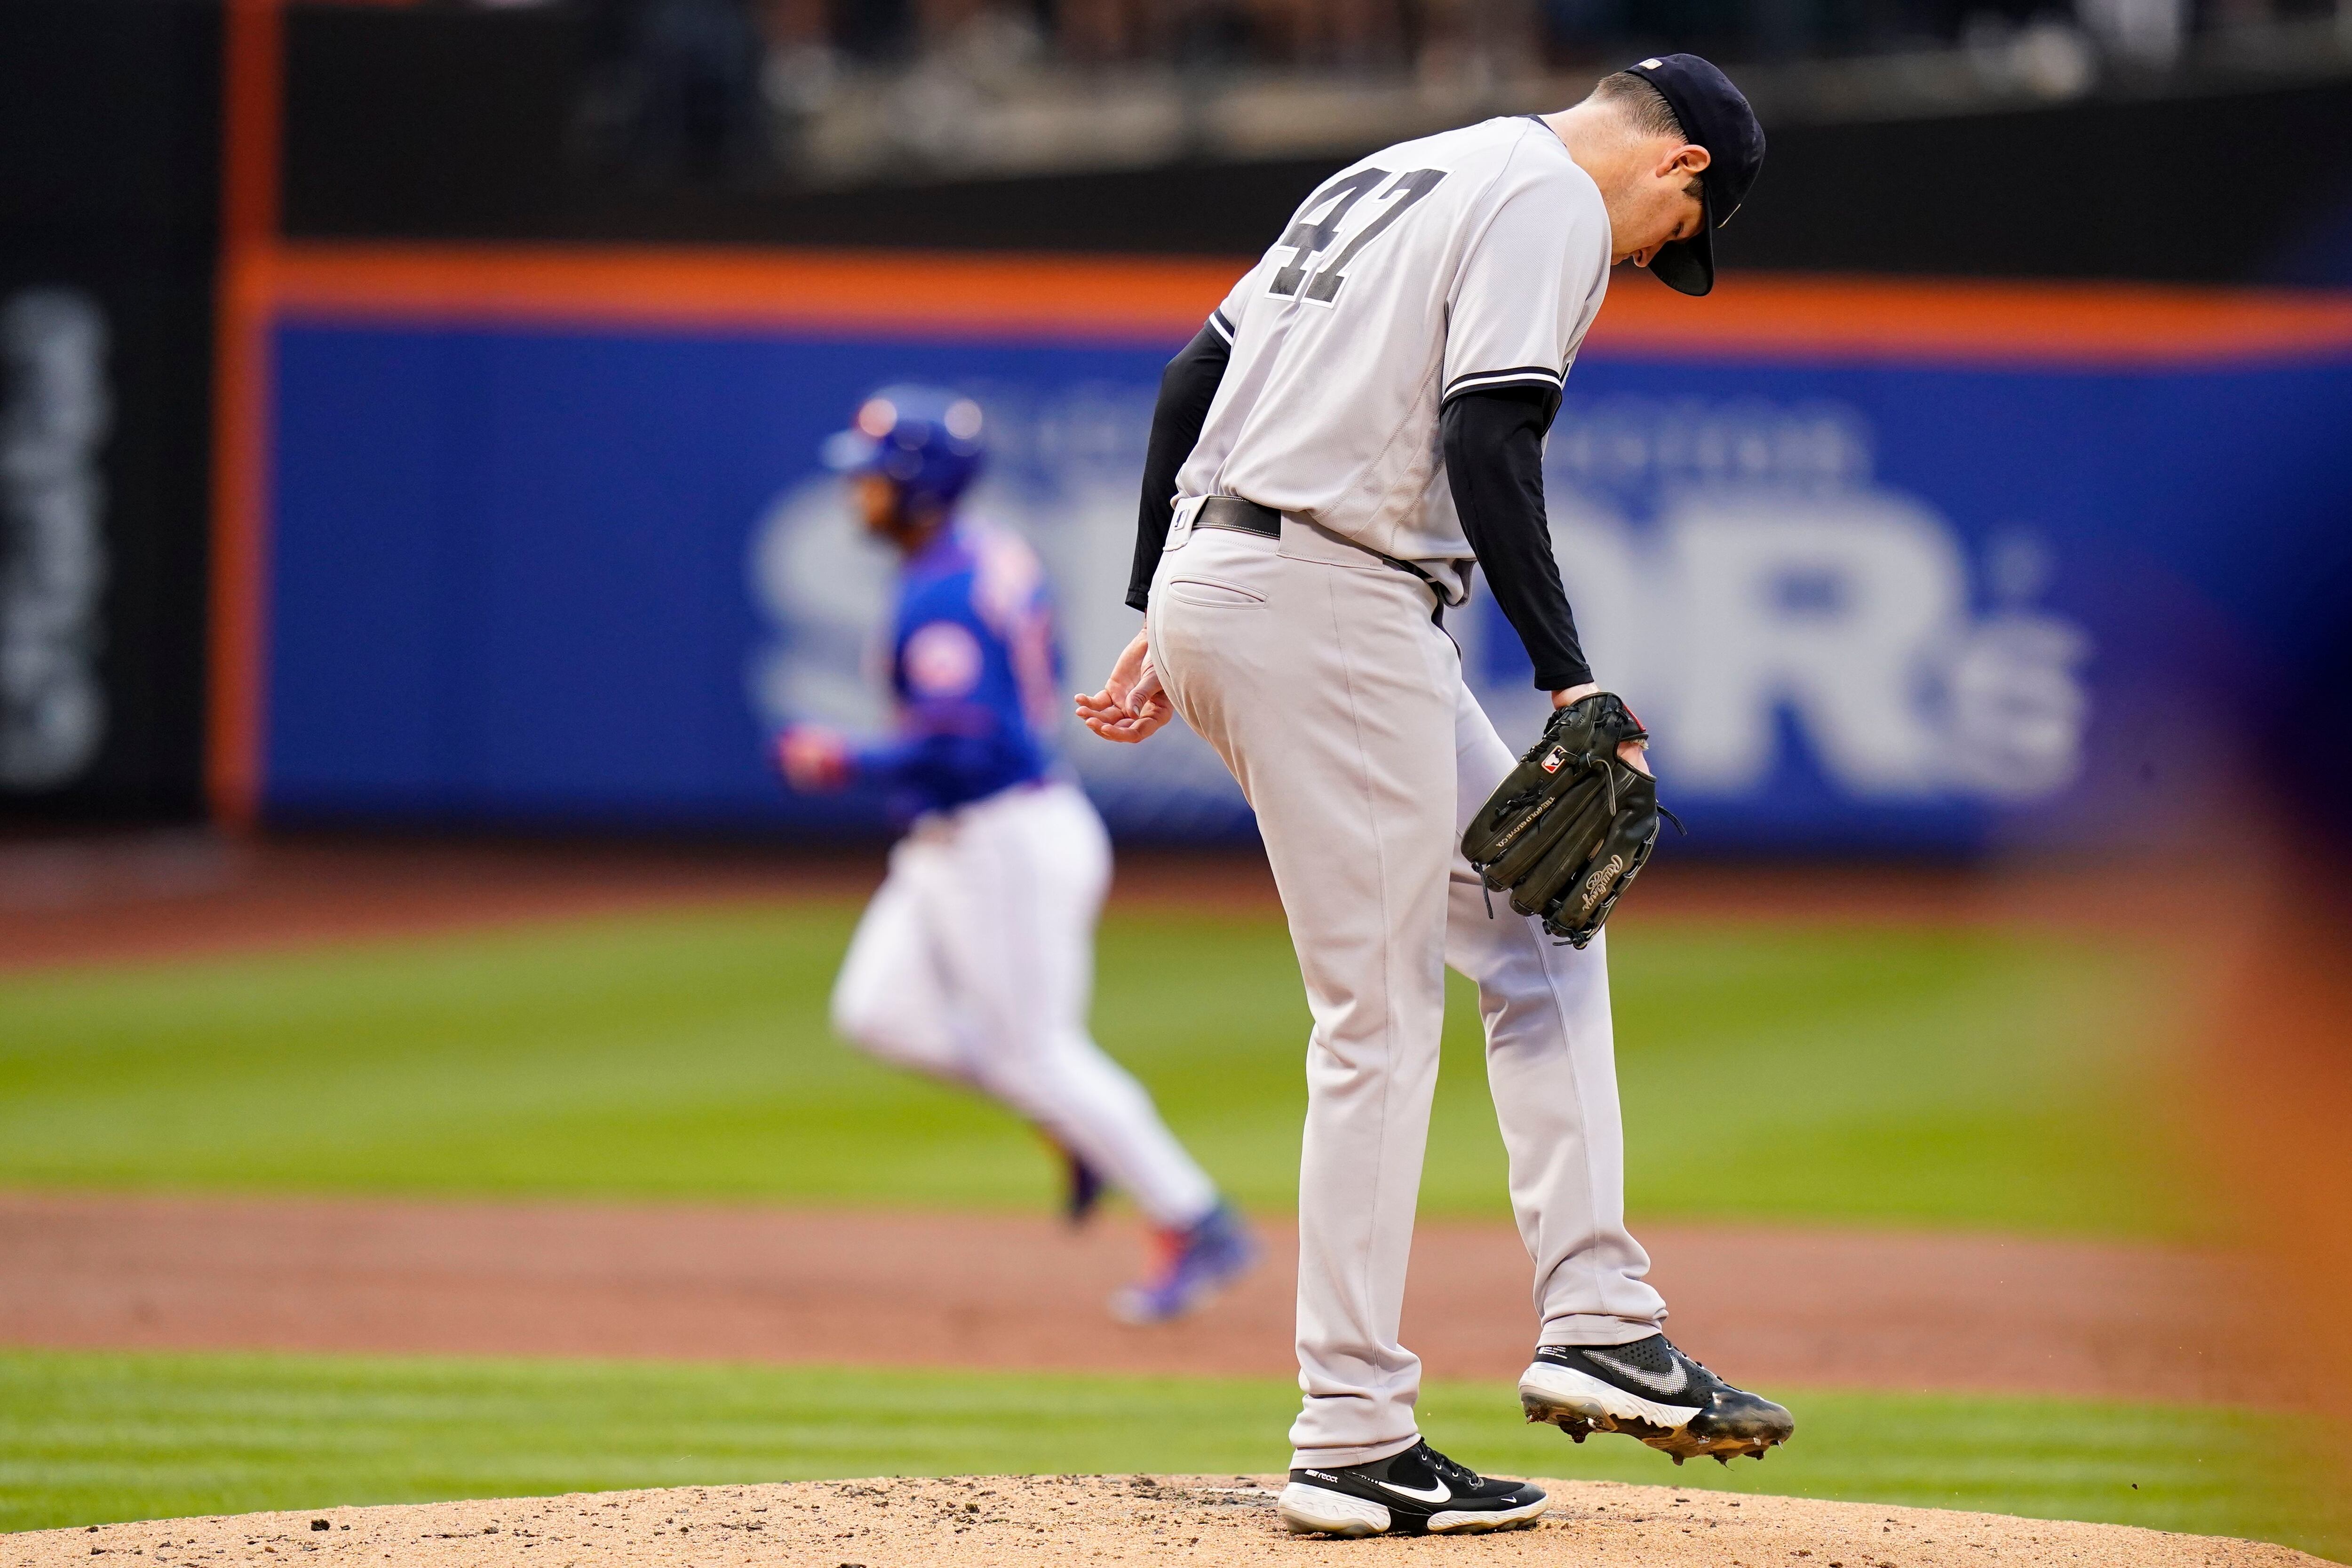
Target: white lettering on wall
x,y
1829,606
1775,577
1737,570
54,418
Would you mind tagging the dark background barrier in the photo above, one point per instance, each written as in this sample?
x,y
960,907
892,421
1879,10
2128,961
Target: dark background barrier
x,y
456,124
108,115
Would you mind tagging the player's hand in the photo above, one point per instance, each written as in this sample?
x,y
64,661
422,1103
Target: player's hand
x,y
1633,754
1131,707
812,757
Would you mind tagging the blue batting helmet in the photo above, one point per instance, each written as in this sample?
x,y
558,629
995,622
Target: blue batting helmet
x,y
925,438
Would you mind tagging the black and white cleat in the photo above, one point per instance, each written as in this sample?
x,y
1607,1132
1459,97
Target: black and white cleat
x,y
1417,1492
1651,1391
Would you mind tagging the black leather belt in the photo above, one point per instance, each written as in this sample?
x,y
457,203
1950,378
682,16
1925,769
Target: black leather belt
x,y
1247,517
1243,517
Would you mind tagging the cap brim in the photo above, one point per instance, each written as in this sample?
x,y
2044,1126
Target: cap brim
x,y
1688,266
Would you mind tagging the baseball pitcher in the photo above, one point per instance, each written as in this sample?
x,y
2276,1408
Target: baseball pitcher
x,y
975,960
1358,425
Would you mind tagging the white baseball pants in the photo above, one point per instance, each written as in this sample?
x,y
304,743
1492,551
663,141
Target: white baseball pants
x,y
974,963
1315,671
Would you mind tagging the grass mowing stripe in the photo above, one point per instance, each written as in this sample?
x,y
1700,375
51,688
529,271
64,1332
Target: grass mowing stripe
x,y
1895,1076
92,1436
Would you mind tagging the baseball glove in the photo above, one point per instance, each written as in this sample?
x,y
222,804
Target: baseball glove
x,y
1566,833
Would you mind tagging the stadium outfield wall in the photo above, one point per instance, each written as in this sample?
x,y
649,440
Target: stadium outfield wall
x,y
542,540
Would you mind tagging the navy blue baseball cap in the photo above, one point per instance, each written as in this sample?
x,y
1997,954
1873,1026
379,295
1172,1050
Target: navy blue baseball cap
x,y
1716,117
928,439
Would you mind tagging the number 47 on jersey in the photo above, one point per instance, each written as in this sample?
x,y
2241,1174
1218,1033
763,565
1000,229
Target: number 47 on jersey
x,y
1310,236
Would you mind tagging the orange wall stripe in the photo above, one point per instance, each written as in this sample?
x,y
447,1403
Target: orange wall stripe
x,y
1164,301
253,67
1971,322
1151,301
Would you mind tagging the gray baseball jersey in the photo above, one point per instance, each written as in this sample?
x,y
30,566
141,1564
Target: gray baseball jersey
x,y
1472,259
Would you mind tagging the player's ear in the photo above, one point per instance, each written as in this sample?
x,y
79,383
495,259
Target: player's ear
x,y
1686,161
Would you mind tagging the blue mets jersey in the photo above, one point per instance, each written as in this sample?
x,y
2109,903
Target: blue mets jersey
x,y
976,672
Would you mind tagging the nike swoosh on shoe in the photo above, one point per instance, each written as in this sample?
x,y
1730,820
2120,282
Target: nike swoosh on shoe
x,y
1435,1494
1657,1383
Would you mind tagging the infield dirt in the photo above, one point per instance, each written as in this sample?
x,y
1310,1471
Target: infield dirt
x,y
1870,1309
968,1522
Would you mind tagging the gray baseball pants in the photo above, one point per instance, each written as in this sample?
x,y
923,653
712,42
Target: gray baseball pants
x,y
1315,671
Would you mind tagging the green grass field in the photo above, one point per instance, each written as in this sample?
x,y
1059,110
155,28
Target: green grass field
x,y
1848,1074
1895,1075
86,1437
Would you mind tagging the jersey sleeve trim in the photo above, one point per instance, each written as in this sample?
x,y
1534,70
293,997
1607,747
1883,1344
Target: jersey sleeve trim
x,y
1516,376
1220,325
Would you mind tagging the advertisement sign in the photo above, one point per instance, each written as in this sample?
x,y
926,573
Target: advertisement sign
x,y
546,574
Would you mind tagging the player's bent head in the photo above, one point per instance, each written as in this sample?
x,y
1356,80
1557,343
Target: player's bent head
x,y
1687,148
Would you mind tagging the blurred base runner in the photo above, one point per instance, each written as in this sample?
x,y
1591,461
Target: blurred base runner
x,y
974,963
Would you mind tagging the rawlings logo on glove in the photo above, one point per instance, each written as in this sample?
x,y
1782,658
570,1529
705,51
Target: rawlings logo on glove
x,y
1568,831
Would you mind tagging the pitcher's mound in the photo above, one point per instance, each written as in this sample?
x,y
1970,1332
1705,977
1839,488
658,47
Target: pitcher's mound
x,y
966,1521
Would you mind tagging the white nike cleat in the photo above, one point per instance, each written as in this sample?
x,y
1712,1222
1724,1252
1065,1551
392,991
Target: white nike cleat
x,y
1651,1391
1417,1492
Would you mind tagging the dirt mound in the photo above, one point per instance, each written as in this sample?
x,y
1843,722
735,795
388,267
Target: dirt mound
x,y
969,1521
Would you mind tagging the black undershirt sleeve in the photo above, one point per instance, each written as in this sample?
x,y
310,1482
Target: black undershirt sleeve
x,y
1493,460
1186,389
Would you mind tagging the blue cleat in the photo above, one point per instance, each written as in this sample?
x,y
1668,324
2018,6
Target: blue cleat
x,y
1196,1265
